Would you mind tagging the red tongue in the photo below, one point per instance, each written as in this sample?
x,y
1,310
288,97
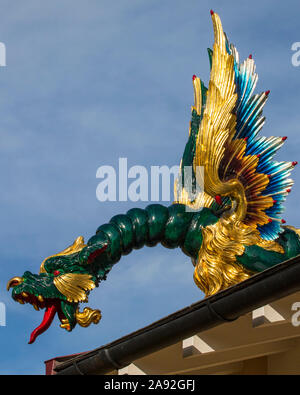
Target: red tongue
x,y
47,320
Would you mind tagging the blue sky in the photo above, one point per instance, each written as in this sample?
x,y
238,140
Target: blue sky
x,y
87,83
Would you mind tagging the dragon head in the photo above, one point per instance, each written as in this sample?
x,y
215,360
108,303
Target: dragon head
x,y
65,280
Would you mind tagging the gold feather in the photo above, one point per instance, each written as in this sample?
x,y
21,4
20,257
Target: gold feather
x,y
77,246
88,316
218,125
222,168
74,286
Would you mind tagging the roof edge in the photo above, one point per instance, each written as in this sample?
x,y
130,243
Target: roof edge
x,y
277,282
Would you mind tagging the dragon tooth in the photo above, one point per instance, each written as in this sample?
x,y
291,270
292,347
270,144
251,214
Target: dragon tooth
x,y
35,307
24,294
40,298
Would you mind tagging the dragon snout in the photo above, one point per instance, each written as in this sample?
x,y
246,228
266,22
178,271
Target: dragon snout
x,y
13,282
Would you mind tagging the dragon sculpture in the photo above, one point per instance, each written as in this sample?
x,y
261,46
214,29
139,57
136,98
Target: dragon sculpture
x,y
231,228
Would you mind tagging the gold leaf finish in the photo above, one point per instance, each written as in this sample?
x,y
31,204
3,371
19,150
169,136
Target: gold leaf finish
x,y
13,282
218,125
216,266
271,245
74,286
227,171
77,246
197,95
88,316
296,230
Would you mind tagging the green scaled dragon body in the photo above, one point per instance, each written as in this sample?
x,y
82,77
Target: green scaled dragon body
x,y
231,228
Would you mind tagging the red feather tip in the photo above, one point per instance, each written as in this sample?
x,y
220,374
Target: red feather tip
x,y
211,12
218,199
250,56
288,190
194,77
267,93
295,163
269,220
283,221
284,138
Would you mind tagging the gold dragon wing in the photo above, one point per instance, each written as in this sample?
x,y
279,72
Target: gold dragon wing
x,y
230,168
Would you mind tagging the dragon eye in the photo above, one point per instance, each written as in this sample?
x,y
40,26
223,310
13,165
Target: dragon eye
x,y
56,272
